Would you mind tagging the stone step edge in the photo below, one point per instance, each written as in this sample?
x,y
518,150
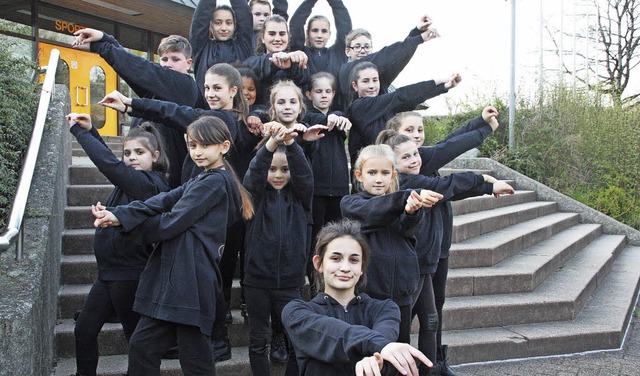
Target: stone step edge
x,y
601,324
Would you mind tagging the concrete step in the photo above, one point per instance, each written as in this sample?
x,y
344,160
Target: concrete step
x,y
87,194
493,247
86,175
560,297
77,217
116,365
488,202
78,269
601,324
466,226
77,241
113,144
525,271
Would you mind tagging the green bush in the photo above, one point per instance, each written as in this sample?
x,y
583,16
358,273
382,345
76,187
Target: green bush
x,y
17,115
573,144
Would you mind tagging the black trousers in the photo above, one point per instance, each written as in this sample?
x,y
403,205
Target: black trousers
x,y
104,298
425,309
152,338
260,304
439,291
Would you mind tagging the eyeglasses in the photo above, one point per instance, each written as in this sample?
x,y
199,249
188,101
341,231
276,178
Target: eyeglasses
x,y
357,48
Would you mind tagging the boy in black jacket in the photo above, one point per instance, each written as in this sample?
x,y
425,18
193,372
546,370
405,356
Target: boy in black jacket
x,y
170,81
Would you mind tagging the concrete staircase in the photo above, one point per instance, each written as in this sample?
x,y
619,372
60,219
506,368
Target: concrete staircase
x,y
527,278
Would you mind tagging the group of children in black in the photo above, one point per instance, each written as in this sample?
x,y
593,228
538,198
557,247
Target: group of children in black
x,y
254,153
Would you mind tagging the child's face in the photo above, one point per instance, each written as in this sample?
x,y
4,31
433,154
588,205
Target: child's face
x,y
260,13
207,156
138,156
287,106
321,95
413,127
376,175
276,36
341,265
217,92
319,33
222,25
279,175
368,83
176,61
408,159
359,48
249,90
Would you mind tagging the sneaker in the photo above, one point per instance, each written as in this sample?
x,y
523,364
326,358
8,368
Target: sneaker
x,y
278,353
221,349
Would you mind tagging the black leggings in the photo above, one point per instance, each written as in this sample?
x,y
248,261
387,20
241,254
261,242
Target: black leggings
x,y
439,290
260,303
104,298
425,308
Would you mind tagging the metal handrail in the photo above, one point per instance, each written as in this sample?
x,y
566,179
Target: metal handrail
x,y
13,232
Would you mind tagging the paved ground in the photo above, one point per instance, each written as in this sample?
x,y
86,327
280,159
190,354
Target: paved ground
x,y
625,362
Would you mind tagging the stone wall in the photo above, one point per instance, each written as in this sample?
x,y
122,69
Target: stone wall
x,y
29,287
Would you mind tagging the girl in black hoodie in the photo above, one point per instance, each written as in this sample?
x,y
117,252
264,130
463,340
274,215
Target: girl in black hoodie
x,y
281,182
389,219
139,175
178,289
341,330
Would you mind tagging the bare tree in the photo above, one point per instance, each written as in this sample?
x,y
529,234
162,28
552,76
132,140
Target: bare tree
x,y
616,33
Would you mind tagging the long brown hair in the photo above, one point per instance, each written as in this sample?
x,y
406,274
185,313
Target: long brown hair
x,y
212,130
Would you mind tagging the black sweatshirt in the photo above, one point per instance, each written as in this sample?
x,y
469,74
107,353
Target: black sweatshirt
x,y
393,271
325,59
369,115
269,75
190,223
330,339
277,237
118,257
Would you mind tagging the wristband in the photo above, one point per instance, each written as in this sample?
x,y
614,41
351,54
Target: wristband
x,y
126,108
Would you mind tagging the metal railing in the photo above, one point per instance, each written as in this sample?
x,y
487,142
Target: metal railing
x,y
13,233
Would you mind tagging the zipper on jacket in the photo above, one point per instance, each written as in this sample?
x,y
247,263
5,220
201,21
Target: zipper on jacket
x,y
279,237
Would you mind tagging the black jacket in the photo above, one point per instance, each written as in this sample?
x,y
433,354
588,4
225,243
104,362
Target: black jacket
x,y
277,237
330,339
393,271
329,161
118,257
269,75
390,61
369,115
190,223
150,80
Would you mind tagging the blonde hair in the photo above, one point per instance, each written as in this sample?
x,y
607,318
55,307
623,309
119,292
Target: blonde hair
x,y
283,85
377,151
396,122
